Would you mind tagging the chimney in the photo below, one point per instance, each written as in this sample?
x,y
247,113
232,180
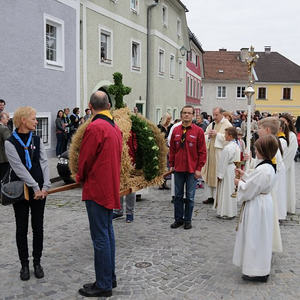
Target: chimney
x,y
267,49
223,49
244,54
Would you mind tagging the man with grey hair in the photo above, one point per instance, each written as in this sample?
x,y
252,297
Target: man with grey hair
x,y
215,141
99,166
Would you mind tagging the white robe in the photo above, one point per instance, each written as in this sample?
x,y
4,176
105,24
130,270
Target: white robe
x,y
289,156
253,245
277,242
281,186
226,205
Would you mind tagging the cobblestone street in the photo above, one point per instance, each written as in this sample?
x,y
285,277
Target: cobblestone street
x,y
184,264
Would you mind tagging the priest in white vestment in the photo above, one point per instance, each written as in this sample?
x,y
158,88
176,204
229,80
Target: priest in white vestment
x,y
215,142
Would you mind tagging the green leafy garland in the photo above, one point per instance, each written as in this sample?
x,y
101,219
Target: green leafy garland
x,y
147,156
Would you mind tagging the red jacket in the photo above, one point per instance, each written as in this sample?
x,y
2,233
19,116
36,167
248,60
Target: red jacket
x,y
192,156
99,163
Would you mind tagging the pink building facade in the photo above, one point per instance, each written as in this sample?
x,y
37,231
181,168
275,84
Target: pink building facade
x,y
194,73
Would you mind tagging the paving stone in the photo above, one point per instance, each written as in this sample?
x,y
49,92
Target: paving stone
x,y
188,265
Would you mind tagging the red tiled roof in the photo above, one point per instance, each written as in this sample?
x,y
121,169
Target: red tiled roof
x,y
224,65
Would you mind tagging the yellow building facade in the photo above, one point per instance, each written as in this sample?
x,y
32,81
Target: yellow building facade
x,y
277,98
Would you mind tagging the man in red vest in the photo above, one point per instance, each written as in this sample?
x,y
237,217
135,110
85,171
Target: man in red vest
x,y
99,167
187,157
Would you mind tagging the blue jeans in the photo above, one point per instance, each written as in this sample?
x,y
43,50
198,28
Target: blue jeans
x,y
102,234
182,213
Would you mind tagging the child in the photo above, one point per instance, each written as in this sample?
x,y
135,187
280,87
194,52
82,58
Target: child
x,y
283,137
266,126
225,204
241,142
253,245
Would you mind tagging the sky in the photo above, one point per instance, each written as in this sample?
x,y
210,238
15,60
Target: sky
x,y
236,24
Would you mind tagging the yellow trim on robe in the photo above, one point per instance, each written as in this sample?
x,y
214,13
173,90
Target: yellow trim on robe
x,y
280,133
106,113
274,160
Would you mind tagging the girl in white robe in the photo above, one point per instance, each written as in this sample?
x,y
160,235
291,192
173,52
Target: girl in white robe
x,y
282,192
253,245
289,156
225,204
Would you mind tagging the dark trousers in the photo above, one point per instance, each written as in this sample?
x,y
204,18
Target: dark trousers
x,y
3,169
184,211
60,137
21,209
102,234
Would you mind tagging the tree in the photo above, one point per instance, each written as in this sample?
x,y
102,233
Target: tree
x,y
118,89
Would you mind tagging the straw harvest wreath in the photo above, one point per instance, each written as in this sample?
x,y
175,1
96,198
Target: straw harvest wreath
x,y
151,152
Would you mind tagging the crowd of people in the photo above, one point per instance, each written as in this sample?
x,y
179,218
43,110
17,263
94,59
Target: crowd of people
x,y
208,148
66,124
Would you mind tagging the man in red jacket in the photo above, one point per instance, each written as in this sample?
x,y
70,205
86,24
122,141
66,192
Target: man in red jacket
x,y
187,157
99,167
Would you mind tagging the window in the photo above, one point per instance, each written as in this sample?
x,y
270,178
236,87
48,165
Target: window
x,y
202,91
191,87
165,15
286,94
157,115
54,43
195,89
172,66
262,93
105,46
221,92
140,107
240,92
180,69
43,129
188,86
135,56
175,113
169,110
134,4
161,62
178,28
199,90
194,58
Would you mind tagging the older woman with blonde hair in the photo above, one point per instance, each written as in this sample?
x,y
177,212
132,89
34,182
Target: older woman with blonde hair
x,y
27,158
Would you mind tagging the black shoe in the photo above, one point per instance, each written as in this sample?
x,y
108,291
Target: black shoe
x,y
177,224
208,201
256,278
38,271
187,225
90,285
24,273
94,291
117,216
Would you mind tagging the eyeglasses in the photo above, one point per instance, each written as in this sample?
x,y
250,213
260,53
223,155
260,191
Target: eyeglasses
x,y
187,113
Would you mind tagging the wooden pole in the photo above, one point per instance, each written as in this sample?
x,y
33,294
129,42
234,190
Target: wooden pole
x,y
72,186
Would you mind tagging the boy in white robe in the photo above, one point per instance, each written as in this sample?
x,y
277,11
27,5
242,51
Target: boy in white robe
x,y
266,126
225,204
253,246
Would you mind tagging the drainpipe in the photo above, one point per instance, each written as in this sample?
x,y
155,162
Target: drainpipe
x,y
149,8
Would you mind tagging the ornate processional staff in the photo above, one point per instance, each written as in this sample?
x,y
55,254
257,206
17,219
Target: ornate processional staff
x,y
249,92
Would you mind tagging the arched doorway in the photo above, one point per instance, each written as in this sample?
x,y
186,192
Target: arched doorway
x,y
103,89
102,86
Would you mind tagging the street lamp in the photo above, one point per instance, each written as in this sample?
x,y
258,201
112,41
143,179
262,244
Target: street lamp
x,y
182,50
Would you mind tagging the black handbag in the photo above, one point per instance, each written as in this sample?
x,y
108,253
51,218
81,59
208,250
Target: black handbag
x,y
11,191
